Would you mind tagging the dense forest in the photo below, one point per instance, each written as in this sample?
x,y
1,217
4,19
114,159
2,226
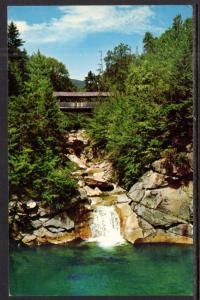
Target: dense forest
x,y
148,116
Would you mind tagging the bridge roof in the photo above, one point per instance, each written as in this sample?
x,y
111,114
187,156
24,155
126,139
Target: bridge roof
x,y
81,94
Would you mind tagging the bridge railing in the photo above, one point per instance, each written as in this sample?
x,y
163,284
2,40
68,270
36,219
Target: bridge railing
x,y
77,105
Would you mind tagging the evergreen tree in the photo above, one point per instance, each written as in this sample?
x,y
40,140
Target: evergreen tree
x,y
17,60
148,42
54,70
92,82
14,40
117,63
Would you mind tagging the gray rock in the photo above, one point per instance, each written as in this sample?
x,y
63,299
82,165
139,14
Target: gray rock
x,y
162,166
160,203
10,219
20,207
189,148
11,205
147,228
15,198
38,223
151,199
136,193
102,185
31,204
156,217
123,198
82,194
175,202
29,238
44,211
60,221
42,232
182,229
92,192
152,180
17,217
78,161
81,183
55,230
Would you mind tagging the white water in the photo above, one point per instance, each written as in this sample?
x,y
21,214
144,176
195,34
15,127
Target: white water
x,y
105,227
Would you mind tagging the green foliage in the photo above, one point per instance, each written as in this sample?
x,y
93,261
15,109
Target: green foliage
x,y
53,69
17,61
59,187
117,63
37,168
151,110
75,120
14,40
181,159
92,82
149,42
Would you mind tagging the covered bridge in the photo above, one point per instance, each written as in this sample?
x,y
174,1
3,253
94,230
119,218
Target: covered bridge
x,y
79,101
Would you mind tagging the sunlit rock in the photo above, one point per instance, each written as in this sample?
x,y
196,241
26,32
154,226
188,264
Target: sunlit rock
x,y
31,204
28,239
129,223
76,160
161,236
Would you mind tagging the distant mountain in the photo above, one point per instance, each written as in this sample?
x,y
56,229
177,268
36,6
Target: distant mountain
x,y
80,84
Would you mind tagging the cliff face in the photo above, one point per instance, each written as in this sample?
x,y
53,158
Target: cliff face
x,y
163,204
158,208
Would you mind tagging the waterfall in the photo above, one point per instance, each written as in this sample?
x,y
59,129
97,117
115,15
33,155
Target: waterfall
x,y
105,226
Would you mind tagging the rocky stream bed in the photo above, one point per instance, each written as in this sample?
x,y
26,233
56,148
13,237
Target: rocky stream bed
x,y
158,208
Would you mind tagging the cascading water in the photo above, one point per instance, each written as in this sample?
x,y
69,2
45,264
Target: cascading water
x,y
105,227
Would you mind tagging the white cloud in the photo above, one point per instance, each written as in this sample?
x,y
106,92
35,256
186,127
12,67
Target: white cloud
x,y
79,21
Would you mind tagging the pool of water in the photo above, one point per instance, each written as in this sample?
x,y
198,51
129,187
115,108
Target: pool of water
x,y
86,269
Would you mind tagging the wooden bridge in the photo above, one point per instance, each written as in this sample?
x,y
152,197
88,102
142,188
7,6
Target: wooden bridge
x,y
79,101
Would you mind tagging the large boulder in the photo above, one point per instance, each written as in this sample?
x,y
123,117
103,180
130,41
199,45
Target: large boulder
x,y
146,227
31,204
76,160
123,198
102,185
28,239
130,228
163,204
44,236
92,192
157,218
168,200
62,221
161,236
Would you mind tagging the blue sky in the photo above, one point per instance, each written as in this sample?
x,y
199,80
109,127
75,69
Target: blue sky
x,y
76,34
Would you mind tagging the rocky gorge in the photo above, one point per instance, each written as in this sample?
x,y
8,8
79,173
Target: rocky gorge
x,y
157,209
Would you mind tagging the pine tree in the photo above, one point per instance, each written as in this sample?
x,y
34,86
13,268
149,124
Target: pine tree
x,y
148,42
92,82
117,63
17,60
